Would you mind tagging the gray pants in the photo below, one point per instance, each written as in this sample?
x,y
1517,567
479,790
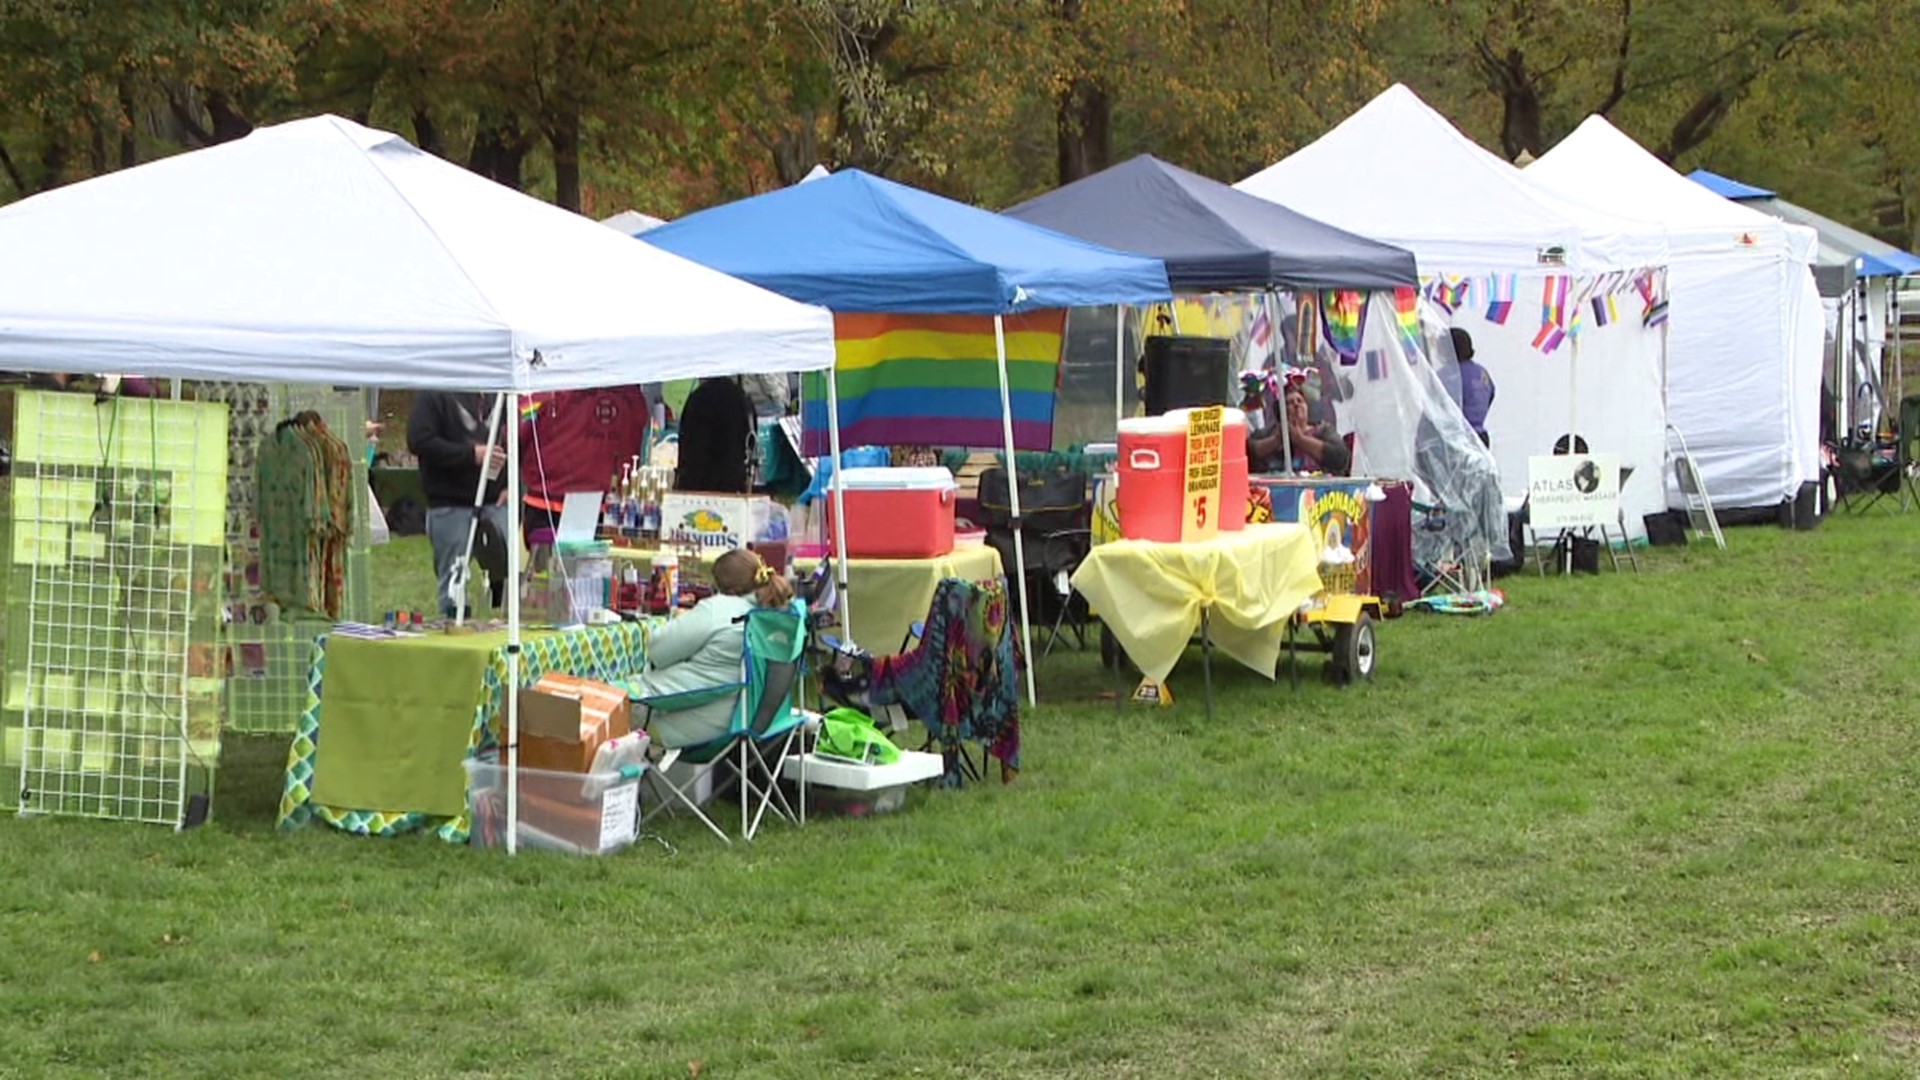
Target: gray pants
x,y
447,533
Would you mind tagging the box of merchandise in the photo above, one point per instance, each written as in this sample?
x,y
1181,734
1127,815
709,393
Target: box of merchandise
x,y
719,520
565,718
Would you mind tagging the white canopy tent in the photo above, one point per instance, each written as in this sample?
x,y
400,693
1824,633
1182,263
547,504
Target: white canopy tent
x,y
632,222
1744,349
1399,172
320,251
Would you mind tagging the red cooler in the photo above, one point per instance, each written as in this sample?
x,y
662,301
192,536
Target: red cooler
x,y
897,513
1153,477
1234,474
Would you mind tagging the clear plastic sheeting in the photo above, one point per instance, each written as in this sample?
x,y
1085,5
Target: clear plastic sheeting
x,y
1393,398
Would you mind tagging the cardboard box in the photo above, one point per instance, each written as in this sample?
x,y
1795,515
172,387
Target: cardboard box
x,y
565,718
718,520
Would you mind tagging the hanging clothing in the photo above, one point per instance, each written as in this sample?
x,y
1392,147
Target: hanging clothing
x,y
305,510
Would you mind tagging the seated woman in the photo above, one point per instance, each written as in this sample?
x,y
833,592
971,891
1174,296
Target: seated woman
x,y
1316,447
701,649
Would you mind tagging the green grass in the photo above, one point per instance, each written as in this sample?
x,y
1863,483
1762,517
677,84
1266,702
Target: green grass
x,y
1649,826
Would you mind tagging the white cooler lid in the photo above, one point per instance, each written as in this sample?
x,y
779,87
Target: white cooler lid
x,y
925,478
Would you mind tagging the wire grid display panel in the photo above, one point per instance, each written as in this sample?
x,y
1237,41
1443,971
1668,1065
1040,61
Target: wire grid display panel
x,y
118,514
270,648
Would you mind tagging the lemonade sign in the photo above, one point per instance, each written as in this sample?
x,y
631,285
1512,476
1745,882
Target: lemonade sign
x,y
1204,453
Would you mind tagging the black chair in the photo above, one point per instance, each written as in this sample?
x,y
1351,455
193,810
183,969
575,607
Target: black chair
x,y
1868,469
1055,510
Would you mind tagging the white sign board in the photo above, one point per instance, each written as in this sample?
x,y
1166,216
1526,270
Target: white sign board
x,y
1573,491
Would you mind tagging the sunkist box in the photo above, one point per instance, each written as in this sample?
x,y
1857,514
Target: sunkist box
x,y
565,718
720,520
897,513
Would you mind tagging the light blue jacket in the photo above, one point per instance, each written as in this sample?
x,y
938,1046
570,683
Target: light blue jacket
x,y
697,650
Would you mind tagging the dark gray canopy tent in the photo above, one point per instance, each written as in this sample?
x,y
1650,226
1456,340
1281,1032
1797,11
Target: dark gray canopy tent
x,y
1212,237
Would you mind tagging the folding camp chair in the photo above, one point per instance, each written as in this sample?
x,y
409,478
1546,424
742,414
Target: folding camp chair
x,y
1869,470
1054,512
765,725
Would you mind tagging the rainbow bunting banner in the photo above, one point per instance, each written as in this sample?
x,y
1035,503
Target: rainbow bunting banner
x,y
1341,313
1449,293
934,380
1554,313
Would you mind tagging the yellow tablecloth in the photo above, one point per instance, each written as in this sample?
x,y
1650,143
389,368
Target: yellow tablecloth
x,y
1151,594
887,596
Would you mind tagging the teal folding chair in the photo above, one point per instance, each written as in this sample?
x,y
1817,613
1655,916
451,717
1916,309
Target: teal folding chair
x,y
765,725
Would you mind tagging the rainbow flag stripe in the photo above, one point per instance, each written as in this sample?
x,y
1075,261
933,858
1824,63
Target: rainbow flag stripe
x,y
1341,313
934,380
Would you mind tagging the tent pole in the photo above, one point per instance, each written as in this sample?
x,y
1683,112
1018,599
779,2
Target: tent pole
x,y
1013,501
1119,366
839,497
512,689
1271,300
479,504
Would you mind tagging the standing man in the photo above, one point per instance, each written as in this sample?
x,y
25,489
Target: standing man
x,y
1476,386
574,441
448,433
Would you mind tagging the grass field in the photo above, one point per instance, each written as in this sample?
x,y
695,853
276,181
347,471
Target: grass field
x,y
1652,826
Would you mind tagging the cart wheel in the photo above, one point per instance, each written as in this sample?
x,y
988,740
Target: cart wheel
x,y
1353,650
1109,649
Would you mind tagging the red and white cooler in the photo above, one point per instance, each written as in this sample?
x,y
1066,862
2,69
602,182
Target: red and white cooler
x,y
896,513
1153,477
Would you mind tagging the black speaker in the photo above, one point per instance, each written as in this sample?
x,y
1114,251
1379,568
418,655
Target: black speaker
x,y
1187,372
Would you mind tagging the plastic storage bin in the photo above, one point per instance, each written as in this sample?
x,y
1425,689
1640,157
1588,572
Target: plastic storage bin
x,y
581,813
896,513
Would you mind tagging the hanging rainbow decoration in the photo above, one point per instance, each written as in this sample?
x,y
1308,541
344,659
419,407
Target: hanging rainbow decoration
x,y
1341,312
1448,292
1501,289
1553,313
1406,314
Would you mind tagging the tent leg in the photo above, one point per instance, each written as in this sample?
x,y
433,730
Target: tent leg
x,y
1119,365
479,504
1013,500
839,497
512,689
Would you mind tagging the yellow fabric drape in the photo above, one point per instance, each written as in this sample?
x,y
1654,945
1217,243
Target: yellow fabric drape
x,y
1151,594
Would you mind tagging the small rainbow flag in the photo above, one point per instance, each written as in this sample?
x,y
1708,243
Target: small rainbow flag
x,y
1501,289
1449,292
1406,314
1554,313
934,380
1341,313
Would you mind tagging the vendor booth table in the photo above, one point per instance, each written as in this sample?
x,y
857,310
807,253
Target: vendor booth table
x,y
402,714
1380,534
1238,590
891,594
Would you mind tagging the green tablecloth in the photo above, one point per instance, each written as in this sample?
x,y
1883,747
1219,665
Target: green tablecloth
x,y
393,710
401,715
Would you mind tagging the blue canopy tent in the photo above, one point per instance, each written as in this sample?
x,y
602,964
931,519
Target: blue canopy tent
x,y
856,243
1212,237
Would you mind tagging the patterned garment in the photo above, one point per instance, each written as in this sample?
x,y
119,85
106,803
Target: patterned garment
x,y
963,680
603,653
287,473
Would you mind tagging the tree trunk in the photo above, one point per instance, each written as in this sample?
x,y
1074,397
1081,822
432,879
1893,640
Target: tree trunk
x,y
13,173
228,122
1083,125
129,151
1082,114
426,133
564,138
499,150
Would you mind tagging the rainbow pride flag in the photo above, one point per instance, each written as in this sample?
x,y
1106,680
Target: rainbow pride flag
x,y
1341,313
934,380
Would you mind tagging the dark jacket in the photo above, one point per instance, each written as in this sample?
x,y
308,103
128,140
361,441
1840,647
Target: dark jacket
x,y
442,432
717,431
